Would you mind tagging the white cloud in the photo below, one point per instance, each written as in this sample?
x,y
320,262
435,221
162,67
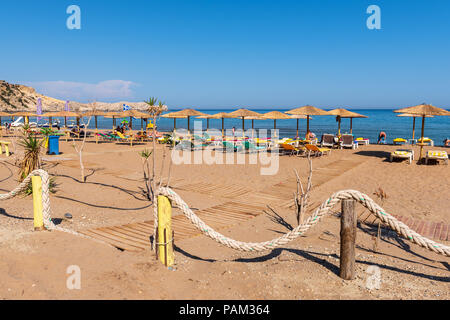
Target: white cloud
x,y
83,92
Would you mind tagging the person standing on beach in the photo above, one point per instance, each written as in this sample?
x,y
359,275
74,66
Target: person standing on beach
x,y
382,137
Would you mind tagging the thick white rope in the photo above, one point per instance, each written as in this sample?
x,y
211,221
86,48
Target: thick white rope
x,y
324,208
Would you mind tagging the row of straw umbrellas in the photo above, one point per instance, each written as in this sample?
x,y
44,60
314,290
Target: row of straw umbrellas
x,y
304,112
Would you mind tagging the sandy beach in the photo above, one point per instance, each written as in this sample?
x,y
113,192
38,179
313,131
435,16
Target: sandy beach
x,y
33,264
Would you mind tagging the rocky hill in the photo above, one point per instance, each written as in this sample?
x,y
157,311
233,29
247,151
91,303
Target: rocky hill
x,y
16,97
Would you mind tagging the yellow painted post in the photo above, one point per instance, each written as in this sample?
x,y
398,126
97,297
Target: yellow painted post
x,y
165,240
37,203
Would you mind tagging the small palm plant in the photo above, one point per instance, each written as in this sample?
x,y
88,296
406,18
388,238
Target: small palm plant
x,y
145,155
31,160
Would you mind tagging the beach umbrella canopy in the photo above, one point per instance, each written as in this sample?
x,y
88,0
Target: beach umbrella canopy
x,y
174,117
134,114
243,113
65,114
423,110
113,115
344,113
25,114
188,113
414,120
221,115
275,115
95,114
308,111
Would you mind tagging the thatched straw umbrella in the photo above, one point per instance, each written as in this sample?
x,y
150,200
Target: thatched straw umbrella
x,y
113,115
414,116
134,114
65,114
188,113
174,117
343,113
221,115
95,114
297,117
25,114
275,115
423,110
308,111
243,113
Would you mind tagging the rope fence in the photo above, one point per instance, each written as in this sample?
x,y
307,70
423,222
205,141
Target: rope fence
x,y
324,209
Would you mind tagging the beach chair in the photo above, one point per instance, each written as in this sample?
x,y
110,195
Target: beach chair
x,y
105,136
362,141
426,140
290,149
399,141
184,145
230,147
5,144
327,140
348,142
403,154
315,150
251,147
125,138
436,155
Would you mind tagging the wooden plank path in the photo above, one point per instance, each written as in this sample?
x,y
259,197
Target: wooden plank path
x,y
438,231
136,236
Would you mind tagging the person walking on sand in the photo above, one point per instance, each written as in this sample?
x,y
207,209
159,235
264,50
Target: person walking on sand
x,y
382,137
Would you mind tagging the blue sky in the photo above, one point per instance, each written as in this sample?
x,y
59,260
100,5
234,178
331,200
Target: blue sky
x,y
228,54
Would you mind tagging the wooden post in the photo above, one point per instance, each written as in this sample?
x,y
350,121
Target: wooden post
x,y
348,238
164,239
36,183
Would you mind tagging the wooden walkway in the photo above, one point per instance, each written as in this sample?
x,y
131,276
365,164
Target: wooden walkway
x,y
243,204
136,236
438,231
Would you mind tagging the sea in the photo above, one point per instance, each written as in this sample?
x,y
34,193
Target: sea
x,y
436,128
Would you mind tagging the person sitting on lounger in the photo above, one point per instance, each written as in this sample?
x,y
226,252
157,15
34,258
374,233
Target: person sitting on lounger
x,y
382,137
310,136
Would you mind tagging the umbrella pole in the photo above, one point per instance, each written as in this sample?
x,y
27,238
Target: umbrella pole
x,y
297,130
339,127
223,135
253,128
351,125
421,142
50,119
96,130
307,126
275,127
207,125
414,127
243,127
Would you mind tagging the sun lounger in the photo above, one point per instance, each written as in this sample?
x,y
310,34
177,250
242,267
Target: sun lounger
x,y
363,141
399,141
184,145
327,140
403,154
125,138
348,142
316,150
251,147
287,148
230,147
426,140
437,155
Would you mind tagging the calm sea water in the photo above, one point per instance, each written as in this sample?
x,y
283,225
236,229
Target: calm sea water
x,y
437,128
